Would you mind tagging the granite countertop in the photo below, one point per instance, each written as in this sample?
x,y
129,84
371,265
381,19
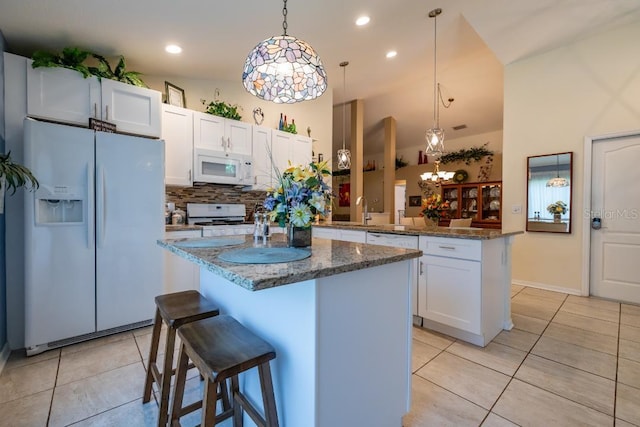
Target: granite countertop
x,y
328,257
182,227
457,233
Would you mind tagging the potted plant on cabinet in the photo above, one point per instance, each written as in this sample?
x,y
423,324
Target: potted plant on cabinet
x,y
13,176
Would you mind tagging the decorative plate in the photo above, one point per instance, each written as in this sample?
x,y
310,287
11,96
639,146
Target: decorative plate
x,y
460,176
473,192
453,205
494,205
494,192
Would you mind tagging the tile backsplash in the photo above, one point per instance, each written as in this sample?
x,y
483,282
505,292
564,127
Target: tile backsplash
x,y
213,193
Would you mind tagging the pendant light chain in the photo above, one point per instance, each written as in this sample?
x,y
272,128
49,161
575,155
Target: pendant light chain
x,y
436,114
284,14
344,101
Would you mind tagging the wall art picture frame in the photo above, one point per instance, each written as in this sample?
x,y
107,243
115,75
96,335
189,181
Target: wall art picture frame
x,y
415,200
175,95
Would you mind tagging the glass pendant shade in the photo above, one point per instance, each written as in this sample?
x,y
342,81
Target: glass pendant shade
x,y
344,159
284,70
437,176
558,182
435,141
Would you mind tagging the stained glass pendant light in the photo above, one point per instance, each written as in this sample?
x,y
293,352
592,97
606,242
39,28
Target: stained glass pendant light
x,y
344,155
435,135
284,69
557,181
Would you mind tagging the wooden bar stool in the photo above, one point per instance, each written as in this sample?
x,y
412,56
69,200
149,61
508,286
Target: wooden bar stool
x,y
174,310
221,348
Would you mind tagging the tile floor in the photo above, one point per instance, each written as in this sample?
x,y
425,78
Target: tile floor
x,y
569,361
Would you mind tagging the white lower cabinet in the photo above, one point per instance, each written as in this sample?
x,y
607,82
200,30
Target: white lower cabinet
x,y
180,274
461,287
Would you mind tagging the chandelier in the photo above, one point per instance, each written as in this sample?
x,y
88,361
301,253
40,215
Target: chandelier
x,y
557,181
437,177
435,135
284,69
344,155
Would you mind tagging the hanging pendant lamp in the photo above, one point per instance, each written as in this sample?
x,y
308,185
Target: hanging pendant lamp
x,y
557,181
435,135
284,69
344,155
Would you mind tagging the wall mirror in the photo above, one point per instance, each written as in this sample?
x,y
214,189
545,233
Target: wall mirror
x,y
549,180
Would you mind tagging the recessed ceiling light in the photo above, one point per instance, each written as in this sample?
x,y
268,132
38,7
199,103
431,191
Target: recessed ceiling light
x,y
173,48
363,20
391,54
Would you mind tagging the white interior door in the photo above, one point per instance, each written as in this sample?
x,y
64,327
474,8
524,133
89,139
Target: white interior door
x,y
615,199
399,200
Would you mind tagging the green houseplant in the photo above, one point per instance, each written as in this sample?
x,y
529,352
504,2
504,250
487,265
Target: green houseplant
x,y
13,176
222,109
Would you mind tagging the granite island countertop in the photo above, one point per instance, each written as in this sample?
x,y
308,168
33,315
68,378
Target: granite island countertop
x,y
328,257
412,230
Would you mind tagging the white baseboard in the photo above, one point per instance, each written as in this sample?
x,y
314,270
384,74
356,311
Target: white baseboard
x,y
547,287
4,356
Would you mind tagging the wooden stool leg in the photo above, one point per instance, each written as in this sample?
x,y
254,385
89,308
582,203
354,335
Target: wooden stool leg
x,y
178,388
167,372
224,395
209,400
268,399
153,354
237,407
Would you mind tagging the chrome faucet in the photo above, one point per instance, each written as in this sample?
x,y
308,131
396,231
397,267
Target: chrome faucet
x,y
365,214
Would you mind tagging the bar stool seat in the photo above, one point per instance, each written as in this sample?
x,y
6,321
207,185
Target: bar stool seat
x,y
175,309
221,348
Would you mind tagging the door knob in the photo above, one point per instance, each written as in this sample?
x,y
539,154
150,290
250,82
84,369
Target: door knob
x,y
596,223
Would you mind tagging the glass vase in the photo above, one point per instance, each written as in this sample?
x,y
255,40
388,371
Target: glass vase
x,y
298,237
556,218
430,223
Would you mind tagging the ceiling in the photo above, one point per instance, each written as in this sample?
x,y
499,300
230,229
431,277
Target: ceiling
x,y
475,40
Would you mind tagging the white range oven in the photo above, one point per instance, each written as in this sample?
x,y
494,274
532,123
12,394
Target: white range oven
x,y
218,219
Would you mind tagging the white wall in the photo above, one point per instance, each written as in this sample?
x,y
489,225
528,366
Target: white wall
x,y
552,101
316,114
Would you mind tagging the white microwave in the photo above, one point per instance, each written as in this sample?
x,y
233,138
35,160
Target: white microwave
x,y
219,167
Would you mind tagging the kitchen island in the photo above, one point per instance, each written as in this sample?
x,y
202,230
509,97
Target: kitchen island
x,y
340,321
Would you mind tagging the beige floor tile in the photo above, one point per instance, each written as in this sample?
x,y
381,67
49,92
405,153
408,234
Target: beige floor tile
x,y
142,331
579,386
628,404
421,353
630,319
81,399
96,342
621,423
29,379
588,311
96,360
630,333
543,293
529,324
629,372
588,323
517,288
495,356
144,343
133,413
19,358
29,411
432,338
583,338
630,309
596,362
527,309
630,350
594,302
494,420
516,338
527,405
432,405
467,379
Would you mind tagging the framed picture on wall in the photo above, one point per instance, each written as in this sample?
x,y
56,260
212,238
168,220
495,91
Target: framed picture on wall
x,y
415,200
175,95
344,197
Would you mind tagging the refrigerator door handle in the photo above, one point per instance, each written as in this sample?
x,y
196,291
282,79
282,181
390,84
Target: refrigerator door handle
x,y
89,208
101,207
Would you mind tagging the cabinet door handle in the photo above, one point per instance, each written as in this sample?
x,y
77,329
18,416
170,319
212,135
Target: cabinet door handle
x,y
107,110
189,175
449,248
421,268
95,110
224,146
229,142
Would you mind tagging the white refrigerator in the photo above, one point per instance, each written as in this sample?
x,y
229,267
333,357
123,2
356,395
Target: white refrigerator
x,y
92,264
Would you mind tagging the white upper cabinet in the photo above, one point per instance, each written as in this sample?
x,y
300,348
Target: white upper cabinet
x,y
64,95
220,134
288,148
177,132
262,168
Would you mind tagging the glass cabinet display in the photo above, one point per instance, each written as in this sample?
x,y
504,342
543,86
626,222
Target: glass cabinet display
x,y
479,201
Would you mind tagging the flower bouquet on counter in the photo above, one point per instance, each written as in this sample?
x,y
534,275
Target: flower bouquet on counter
x,y
558,207
434,208
301,194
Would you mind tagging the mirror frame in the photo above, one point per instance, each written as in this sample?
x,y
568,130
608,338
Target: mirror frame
x,y
569,205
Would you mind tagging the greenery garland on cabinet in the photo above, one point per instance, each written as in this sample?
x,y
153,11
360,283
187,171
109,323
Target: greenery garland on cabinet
x,y
74,58
467,155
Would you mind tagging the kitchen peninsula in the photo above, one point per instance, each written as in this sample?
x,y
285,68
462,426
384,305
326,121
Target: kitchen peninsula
x,y
340,321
